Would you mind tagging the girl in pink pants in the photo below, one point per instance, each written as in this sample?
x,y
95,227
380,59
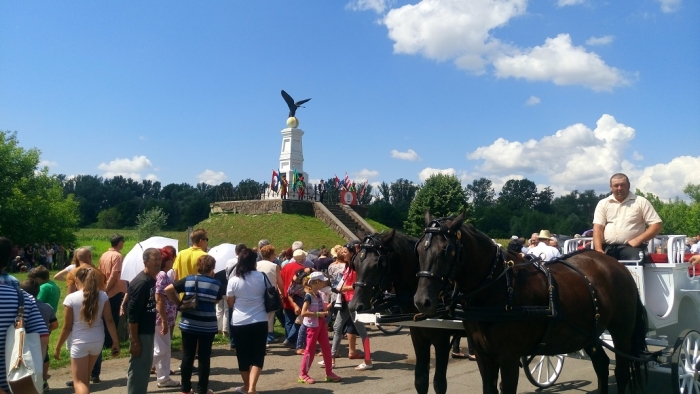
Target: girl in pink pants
x,y
314,316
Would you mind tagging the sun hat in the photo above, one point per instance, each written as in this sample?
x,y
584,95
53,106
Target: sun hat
x,y
317,276
513,237
544,234
298,253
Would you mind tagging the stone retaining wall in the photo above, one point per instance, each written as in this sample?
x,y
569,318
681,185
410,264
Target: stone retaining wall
x,y
261,207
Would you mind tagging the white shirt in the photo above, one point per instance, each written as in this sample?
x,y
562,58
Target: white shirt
x,y
695,248
545,251
249,304
82,332
230,265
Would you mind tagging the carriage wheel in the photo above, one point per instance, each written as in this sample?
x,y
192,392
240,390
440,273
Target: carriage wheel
x,y
543,371
390,329
684,363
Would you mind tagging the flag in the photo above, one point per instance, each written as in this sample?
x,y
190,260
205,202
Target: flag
x,y
347,180
295,179
337,182
364,187
274,183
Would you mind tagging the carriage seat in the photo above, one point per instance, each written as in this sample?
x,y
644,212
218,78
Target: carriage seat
x,y
662,258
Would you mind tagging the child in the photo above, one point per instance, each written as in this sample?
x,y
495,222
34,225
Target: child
x,y
84,311
314,314
296,294
49,316
49,292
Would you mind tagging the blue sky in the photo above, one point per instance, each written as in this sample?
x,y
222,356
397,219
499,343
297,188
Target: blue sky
x,y
562,92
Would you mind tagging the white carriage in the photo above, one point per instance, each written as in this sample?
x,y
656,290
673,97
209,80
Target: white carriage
x,y
670,291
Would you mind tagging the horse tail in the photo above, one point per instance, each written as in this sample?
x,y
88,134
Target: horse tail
x,y
638,348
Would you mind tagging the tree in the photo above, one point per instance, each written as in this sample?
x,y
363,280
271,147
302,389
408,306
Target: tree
x,y
481,194
150,223
32,205
442,195
518,194
693,191
109,218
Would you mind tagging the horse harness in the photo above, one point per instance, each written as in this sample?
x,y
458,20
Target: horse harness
x,y
378,301
507,312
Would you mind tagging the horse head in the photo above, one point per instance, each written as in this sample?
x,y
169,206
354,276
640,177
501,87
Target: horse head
x,y
439,252
373,270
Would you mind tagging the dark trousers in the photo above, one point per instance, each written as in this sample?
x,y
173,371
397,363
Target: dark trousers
x,y
625,252
231,337
190,341
115,302
291,328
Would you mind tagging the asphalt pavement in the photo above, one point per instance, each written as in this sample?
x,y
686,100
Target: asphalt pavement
x,y
393,373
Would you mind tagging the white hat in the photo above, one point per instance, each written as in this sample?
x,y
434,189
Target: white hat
x,y
317,276
299,252
544,234
514,237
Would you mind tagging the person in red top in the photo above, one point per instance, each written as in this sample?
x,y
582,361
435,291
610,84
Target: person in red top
x,y
290,309
345,287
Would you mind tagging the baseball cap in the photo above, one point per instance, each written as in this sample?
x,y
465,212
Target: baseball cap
x,y
317,276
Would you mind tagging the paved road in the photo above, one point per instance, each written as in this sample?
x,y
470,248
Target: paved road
x,y
393,373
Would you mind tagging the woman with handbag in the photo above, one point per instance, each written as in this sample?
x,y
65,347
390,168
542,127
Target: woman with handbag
x,y
246,297
198,320
343,315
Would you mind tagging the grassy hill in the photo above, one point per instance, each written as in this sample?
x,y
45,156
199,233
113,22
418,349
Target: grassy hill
x,y
281,229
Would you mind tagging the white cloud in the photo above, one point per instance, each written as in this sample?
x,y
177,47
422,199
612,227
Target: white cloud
x,y
562,63
462,31
127,168
443,30
409,155
378,6
427,172
532,100
604,40
364,174
137,164
152,177
668,180
669,6
575,156
564,3
212,177
47,163
578,157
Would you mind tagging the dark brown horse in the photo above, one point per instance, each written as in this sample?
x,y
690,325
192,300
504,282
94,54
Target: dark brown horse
x,y
387,260
516,308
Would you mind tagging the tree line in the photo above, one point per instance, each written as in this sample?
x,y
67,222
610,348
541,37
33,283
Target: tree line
x,y
38,207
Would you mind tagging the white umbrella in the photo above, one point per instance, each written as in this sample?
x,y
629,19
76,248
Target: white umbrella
x,y
222,253
133,262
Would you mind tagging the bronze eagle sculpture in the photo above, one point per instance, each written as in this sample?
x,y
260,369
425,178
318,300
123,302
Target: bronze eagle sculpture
x,y
291,104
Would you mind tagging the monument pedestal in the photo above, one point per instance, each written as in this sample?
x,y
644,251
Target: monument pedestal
x,y
291,157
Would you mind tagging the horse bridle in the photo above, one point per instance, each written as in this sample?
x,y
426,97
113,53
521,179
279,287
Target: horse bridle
x,y
370,244
453,251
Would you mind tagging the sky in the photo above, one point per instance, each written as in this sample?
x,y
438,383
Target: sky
x,y
562,92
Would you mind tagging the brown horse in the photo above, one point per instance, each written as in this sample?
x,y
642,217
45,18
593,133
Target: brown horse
x,y
516,308
387,260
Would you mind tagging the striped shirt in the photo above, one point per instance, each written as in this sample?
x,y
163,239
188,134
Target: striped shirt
x,y
209,292
33,322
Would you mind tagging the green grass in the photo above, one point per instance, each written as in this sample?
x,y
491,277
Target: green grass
x,y
377,226
281,229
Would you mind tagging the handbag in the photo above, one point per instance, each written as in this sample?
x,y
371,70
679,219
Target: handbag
x,y
273,299
189,302
23,356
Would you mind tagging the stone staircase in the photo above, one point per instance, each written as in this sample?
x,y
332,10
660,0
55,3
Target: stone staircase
x,y
340,221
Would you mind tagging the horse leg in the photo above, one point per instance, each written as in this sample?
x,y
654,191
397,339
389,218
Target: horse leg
x,y
488,368
601,362
442,345
510,372
421,347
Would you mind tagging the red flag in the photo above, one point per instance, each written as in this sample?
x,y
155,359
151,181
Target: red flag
x,y
274,184
347,180
337,182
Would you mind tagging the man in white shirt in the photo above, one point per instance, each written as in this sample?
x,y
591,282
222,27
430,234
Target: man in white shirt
x,y
542,249
694,246
623,222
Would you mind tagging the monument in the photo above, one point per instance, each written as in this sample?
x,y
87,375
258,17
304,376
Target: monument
x,y
291,153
